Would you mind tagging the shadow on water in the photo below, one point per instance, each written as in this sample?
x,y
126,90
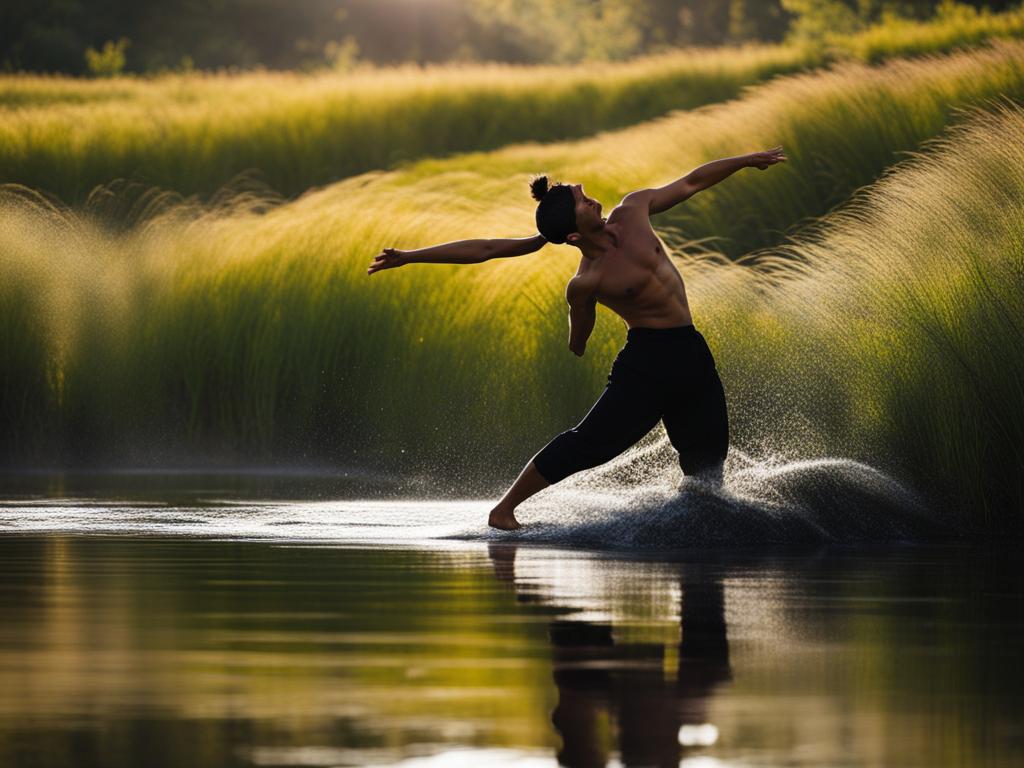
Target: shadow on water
x,y
630,688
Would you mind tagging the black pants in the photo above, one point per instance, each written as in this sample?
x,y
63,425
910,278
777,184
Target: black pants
x,y
660,373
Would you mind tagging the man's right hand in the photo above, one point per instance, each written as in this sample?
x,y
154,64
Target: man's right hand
x,y
762,160
389,258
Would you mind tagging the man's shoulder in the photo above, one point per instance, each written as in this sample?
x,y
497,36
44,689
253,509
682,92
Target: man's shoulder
x,y
637,201
634,210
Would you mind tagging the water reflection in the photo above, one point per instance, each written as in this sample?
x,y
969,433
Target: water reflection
x,y
645,702
138,651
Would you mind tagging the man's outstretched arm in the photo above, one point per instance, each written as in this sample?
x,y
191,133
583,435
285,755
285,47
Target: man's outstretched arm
x,y
458,252
660,199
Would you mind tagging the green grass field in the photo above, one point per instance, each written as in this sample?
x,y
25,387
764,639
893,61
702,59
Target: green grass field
x,y
955,25
194,133
147,329
889,332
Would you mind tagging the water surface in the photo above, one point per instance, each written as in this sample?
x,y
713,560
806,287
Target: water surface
x,y
209,635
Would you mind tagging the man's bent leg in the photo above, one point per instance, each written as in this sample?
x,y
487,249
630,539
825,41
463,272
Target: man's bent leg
x,y
622,415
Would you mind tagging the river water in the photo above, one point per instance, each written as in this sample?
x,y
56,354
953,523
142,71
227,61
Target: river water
x,y
241,633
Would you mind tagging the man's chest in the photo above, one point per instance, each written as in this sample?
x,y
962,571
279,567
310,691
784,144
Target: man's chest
x,y
627,273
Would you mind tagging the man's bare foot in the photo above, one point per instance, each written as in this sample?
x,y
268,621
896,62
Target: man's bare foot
x,y
503,519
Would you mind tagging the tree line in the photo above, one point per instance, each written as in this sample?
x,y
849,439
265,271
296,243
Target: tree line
x,y
108,36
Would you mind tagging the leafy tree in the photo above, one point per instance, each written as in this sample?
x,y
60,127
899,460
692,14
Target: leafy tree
x,y
53,35
107,62
816,19
568,30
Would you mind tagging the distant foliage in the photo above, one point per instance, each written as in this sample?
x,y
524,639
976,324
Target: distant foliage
x,y
106,62
569,30
953,25
66,136
821,21
52,35
815,20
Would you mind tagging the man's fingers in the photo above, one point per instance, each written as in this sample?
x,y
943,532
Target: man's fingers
x,y
386,259
378,264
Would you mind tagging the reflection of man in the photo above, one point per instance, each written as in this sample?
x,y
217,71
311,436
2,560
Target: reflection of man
x,y
603,684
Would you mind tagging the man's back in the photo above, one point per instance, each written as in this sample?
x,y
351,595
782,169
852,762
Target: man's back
x,y
636,279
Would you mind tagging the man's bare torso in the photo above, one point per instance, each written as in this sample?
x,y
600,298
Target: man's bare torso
x,y
636,279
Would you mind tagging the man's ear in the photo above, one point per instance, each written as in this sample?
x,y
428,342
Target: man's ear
x,y
572,238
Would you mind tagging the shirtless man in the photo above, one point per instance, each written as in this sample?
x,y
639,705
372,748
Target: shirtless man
x,y
665,370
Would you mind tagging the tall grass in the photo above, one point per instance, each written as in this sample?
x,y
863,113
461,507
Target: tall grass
x,y
841,128
193,133
97,293
890,333
895,330
954,25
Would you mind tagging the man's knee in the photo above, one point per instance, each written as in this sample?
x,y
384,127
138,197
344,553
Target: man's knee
x,y
569,453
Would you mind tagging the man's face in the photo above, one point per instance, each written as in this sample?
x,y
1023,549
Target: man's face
x,y
588,210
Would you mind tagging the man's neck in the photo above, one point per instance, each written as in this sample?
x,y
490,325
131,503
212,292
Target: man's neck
x,y
600,242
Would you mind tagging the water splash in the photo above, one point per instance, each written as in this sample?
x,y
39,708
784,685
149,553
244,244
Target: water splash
x,y
639,501
642,501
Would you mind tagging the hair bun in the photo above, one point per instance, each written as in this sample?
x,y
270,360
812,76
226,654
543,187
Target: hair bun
x,y
539,187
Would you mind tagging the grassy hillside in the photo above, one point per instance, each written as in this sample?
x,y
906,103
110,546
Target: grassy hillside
x,y
889,334
954,25
841,127
194,133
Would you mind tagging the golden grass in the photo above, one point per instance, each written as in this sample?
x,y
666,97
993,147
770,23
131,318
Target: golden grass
x,y
193,133
955,25
889,334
